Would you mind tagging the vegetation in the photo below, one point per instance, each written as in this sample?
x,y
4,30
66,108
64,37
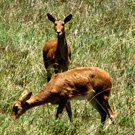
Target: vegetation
x,y
101,34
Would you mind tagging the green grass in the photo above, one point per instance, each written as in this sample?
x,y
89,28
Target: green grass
x,y
101,34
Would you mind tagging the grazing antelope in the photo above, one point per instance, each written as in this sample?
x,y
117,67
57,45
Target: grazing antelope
x,y
86,83
56,52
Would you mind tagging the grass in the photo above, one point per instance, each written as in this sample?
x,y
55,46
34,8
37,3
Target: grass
x,y
101,34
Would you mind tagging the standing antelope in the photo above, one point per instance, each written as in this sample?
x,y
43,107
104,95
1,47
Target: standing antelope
x,y
56,52
92,84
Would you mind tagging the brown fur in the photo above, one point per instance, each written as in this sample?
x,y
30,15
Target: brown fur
x,y
56,52
88,83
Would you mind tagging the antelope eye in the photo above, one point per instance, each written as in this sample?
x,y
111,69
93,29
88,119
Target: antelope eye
x,y
15,109
62,24
55,24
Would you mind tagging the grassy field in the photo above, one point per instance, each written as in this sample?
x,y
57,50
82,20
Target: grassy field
x,y
100,34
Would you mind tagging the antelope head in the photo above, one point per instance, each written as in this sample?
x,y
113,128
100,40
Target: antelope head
x,y
59,24
20,106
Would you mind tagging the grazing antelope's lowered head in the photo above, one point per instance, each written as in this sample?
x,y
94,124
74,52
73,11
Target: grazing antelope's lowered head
x,y
20,106
59,24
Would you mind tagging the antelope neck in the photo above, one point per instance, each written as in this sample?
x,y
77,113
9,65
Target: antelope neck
x,y
40,98
62,43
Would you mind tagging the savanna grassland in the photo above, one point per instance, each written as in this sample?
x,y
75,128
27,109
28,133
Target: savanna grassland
x,y
100,34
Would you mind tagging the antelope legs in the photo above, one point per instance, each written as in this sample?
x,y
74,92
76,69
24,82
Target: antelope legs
x,y
48,74
61,106
69,111
105,105
102,113
102,106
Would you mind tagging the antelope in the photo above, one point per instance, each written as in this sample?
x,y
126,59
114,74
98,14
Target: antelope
x,y
56,52
84,83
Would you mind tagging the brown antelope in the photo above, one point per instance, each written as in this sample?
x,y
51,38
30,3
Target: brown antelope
x,y
56,52
90,83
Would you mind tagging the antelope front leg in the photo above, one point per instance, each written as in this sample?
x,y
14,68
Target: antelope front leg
x,y
56,70
69,111
60,108
49,74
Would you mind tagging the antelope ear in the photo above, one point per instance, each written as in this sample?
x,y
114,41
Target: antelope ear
x,y
68,18
51,18
25,96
